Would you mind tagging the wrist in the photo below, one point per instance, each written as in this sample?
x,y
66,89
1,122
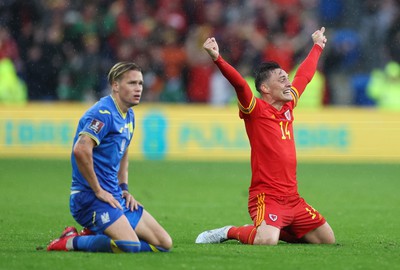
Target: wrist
x,y
96,190
124,186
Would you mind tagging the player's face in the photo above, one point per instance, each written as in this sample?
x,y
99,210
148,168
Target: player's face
x,y
130,88
280,86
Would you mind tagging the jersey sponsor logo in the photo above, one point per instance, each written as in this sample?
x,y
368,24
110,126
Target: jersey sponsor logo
x,y
96,125
104,112
273,217
105,218
287,115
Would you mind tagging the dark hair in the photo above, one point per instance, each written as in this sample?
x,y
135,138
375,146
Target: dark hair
x,y
119,69
263,72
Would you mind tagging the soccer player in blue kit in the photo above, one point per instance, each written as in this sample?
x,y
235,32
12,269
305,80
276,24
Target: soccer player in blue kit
x,y
100,200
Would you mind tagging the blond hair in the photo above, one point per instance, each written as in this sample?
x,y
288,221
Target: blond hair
x,y
119,69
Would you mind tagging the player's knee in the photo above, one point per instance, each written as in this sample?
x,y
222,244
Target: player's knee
x,y
266,235
325,236
329,239
323,240
166,242
266,240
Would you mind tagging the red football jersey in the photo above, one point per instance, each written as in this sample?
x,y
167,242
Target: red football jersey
x,y
270,132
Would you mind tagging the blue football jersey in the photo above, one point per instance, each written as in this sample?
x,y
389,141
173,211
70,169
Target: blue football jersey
x,y
112,130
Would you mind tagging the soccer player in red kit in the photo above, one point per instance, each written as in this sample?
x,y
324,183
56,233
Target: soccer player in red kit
x,y
275,206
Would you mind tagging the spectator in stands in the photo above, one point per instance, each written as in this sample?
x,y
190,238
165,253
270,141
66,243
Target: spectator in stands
x,y
125,30
384,87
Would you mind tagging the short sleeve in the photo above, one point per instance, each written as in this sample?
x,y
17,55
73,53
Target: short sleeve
x,y
97,124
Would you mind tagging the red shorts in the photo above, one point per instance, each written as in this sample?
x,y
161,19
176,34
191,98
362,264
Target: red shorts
x,y
291,214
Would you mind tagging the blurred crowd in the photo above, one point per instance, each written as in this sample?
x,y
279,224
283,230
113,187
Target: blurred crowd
x,y
62,49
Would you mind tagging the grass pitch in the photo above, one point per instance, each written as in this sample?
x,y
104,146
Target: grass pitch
x,y
360,201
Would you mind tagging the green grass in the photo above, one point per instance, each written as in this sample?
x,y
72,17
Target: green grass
x,y
360,201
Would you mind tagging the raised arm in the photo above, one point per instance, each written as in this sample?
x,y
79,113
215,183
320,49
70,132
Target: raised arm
x,y
242,89
308,67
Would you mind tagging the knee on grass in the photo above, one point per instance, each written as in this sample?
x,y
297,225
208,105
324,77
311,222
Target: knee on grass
x,y
265,240
166,243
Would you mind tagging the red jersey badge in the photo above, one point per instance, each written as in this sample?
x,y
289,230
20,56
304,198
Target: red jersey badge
x,y
273,217
96,125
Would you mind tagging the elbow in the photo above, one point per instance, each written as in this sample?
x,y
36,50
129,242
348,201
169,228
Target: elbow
x,y
83,148
243,84
241,87
76,151
79,152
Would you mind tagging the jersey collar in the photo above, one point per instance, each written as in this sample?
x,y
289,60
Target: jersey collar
x,y
118,108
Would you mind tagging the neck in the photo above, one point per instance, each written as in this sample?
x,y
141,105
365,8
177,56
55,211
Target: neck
x,y
276,104
119,103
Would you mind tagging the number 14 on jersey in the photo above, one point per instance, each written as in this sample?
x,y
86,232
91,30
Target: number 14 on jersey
x,y
285,131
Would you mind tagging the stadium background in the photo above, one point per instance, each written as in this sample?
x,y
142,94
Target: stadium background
x,y
54,56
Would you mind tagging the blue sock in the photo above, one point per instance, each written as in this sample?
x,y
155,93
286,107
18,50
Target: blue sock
x,y
102,243
92,243
144,246
126,246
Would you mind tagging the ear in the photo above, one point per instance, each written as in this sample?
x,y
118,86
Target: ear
x,y
115,86
264,88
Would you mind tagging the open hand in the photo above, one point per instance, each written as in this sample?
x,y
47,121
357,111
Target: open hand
x,y
131,203
108,198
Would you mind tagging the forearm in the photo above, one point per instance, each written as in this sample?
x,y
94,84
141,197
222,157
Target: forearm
x,y
123,172
309,65
84,162
230,73
123,177
307,69
83,153
123,181
240,85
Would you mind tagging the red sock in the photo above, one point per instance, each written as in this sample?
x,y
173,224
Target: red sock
x,y
244,234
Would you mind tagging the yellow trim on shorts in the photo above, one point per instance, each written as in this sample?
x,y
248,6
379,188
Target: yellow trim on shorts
x,y
260,209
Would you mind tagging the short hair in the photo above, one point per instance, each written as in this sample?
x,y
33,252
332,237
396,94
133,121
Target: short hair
x,y
263,72
119,69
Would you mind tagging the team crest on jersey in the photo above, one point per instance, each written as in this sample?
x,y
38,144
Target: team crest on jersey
x,y
273,217
287,115
96,125
105,218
